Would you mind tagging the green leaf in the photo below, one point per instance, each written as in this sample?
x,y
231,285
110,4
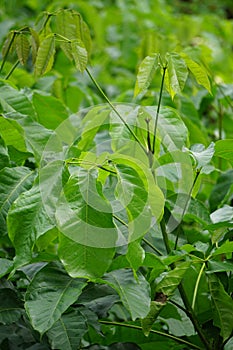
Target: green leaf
x,y
50,111
224,214
45,55
10,306
79,54
223,149
27,221
22,48
83,214
146,71
13,181
222,307
176,74
12,134
82,260
5,266
135,295
8,44
49,295
199,72
219,266
135,255
202,155
68,331
226,248
164,289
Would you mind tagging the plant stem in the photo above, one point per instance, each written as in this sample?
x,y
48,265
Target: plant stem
x,y
197,285
185,207
114,109
179,340
158,108
12,70
152,246
8,50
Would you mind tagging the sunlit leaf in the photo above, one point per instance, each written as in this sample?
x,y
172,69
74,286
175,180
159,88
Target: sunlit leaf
x,y
79,54
176,74
223,149
45,55
146,73
22,48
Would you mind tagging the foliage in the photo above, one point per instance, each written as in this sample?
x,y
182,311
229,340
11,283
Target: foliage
x,y
116,193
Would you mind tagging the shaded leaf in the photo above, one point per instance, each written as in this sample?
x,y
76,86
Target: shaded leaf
x,y
49,295
5,266
10,306
222,307
135,295
221,189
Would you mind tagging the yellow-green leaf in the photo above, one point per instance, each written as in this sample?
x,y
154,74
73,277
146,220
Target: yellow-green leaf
x,y
45,56
22,48
79,54
146,73
176,74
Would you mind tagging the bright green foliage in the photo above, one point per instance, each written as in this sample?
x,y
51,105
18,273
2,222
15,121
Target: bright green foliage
x,y
116,198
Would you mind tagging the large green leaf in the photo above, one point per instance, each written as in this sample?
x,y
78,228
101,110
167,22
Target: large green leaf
x,y
83,214
222,306
4,157
146,73
176,74
68,331
11,307
27,221
49,295
223,149
13,181
50,111
12,134
134,294
84,260
45,55
221,189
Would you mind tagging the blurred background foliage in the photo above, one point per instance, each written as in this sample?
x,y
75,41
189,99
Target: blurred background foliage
x,y
123,33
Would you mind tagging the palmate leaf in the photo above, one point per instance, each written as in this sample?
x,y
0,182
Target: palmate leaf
x,y
82,260
222,306
176,74
146,73
45,55
134,294
22,48
164,289
27,221
68,331
13,181
49,295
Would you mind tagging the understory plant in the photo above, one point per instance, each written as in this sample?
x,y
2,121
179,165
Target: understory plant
x,y
116,219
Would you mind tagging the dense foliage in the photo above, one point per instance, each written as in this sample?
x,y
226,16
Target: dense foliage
x,y
116,141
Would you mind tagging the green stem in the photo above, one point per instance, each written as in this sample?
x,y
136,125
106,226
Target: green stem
x,y
165,236
197,285
179,340
12,70
8,50
152,246
158,108
185,207
114,109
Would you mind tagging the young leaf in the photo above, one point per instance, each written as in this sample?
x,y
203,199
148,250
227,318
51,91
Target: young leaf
x,y
45,55
146,73
176,74
135,295
198,71
49,295
82,260
13,181
222,306
22,48
35,43
12,134
79,54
